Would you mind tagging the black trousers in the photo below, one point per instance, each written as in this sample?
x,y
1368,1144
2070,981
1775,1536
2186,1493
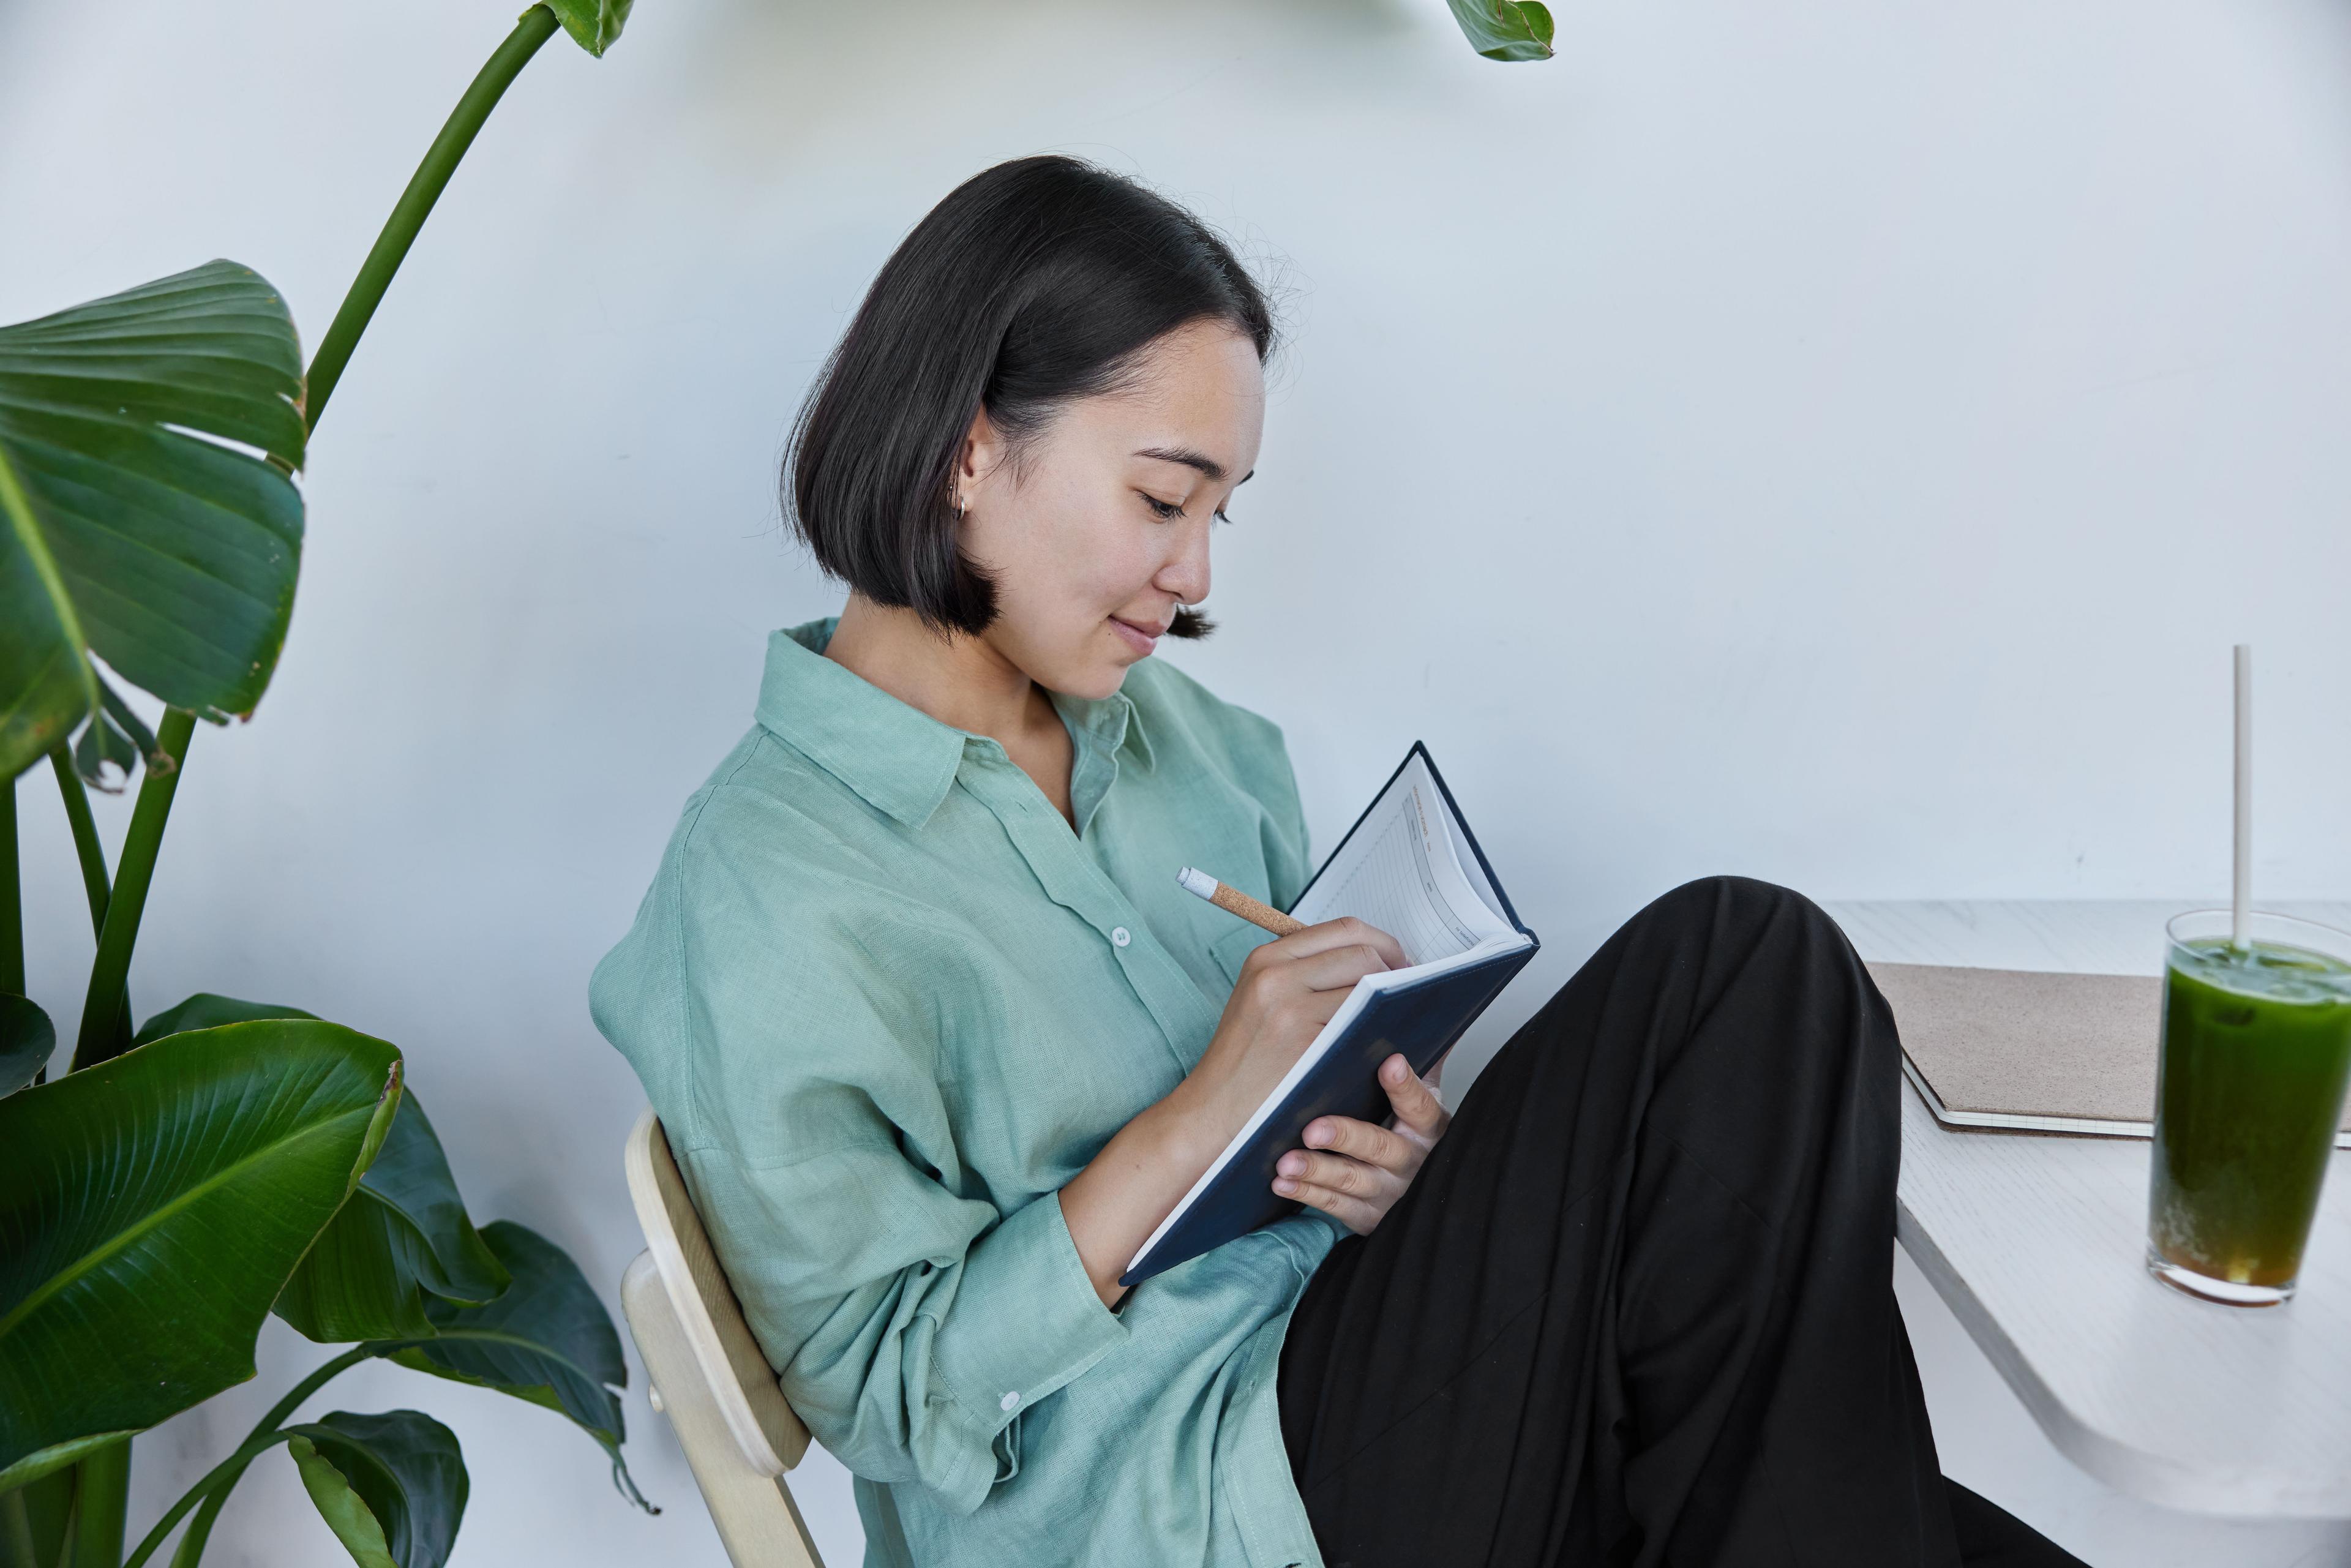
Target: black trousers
x,y
1638,1307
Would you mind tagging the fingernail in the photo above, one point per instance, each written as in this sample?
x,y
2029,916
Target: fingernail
x,y
1286,1187
1289,1164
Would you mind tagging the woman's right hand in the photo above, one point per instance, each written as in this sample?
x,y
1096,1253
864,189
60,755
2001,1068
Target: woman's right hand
x,y
1287,989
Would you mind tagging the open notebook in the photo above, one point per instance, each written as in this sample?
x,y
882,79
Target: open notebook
x,y
1410,867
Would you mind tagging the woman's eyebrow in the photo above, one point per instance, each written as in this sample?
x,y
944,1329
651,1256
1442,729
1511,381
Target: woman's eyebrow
x,y
1189,458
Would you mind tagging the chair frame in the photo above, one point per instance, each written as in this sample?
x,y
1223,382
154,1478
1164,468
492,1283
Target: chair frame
x,y
708,1374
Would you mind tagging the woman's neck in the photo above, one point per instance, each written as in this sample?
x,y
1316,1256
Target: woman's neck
x,y
960,681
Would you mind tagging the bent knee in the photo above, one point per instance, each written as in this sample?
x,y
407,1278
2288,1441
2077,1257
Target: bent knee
x,y
1739,902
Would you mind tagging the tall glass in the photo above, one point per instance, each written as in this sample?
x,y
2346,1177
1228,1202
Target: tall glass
x,y
2249,1094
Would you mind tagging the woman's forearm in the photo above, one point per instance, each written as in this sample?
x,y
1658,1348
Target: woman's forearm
x,y
1288,990
1113,1205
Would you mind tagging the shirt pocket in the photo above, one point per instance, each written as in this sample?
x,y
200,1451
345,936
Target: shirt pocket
x,y
1232,949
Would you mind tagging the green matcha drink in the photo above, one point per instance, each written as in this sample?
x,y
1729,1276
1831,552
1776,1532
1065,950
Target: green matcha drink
x,y
2256,1056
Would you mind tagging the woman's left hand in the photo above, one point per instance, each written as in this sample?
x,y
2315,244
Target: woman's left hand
x,y
1353,1171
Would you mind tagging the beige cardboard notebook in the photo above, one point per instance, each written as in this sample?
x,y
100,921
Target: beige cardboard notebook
x,y
2031,1053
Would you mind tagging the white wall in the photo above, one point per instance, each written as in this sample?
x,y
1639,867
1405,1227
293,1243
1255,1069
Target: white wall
x,y
1834,443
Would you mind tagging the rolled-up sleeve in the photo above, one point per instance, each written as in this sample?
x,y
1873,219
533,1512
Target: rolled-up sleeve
x,y
908,1368
911,1320
1029,1265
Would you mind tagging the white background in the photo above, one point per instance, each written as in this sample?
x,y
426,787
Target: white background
x,y
1834,443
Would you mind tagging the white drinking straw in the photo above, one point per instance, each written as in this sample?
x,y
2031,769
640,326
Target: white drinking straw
x,y
2241,888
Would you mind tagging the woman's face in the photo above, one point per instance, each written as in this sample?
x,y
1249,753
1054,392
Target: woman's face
x,y
1100,529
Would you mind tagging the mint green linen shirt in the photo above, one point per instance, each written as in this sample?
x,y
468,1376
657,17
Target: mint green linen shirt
x,y
887,1004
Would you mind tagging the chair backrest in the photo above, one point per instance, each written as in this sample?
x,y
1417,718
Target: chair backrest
x,y
708,1374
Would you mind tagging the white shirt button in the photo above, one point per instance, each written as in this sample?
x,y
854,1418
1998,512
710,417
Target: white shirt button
x,y
1118,936
1008,1401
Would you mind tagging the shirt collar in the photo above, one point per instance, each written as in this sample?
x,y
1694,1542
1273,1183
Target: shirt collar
x,y
1108,723
899,759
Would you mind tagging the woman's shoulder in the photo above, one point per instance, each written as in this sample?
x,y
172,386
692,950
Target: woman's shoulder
x,y
770,827
764,896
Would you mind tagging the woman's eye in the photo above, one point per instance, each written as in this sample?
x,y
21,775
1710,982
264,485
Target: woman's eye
x,y
1166,511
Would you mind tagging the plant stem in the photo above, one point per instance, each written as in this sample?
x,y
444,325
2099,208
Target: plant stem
x,y
319,1379
217,1485
230,1467
18,1523
86,849
12,904
102,1486
104,1008
92,856
441,160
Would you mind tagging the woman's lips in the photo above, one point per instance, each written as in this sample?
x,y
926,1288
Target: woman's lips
x,y
1141,639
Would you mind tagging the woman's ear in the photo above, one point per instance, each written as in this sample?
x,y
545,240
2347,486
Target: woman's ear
x,y
982,455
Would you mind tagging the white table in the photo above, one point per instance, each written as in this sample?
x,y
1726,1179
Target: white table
x,y
2036,1243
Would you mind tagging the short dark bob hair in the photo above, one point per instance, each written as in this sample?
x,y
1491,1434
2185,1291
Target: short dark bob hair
x,y
1034,283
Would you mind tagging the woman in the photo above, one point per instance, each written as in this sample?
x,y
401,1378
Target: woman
x,y
938,1041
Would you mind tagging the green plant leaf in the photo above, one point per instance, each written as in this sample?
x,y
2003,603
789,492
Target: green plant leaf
x,y
1505,29
48,1462
205,1011
117,737
152,1207
133,726
33,1522
594,24
103,746
392,1486
548,1340
27,1039
403,1235
135,529
46,683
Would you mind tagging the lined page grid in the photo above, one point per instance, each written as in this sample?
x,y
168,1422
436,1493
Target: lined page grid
x,y
1389,886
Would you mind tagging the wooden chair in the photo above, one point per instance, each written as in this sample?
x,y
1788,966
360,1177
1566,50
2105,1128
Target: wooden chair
x,y
708,1374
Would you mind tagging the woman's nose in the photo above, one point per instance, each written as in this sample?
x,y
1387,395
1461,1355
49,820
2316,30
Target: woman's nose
x,y
1186,576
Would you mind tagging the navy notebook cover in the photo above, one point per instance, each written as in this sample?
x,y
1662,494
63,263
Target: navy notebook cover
x,y
1422,1020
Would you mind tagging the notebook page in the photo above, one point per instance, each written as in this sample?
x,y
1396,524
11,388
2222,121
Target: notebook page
x,y
1449,865
1466,857
1389,886
1401,872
